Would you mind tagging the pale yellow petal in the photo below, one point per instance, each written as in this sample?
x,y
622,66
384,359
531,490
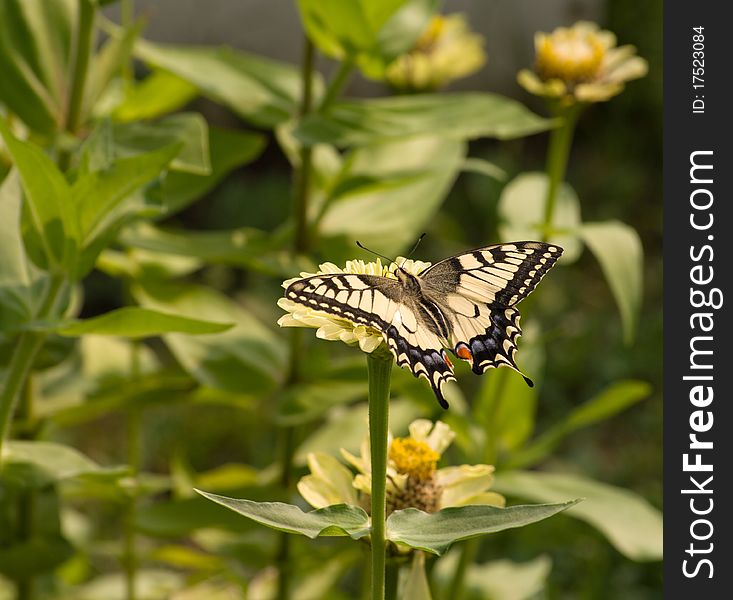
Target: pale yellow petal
x,y
419,429
317,492
491,498
440,437
326,467
465,481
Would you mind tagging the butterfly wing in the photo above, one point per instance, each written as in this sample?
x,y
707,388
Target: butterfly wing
x,y
384,304
480,289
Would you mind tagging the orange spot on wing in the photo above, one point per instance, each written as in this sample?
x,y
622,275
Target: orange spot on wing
x,y
464,353
447,360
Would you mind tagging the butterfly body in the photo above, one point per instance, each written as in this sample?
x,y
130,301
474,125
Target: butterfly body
x,y
464,303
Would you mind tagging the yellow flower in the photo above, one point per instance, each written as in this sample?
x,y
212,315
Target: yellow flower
x,y
331,327
447,50
581,64
413,479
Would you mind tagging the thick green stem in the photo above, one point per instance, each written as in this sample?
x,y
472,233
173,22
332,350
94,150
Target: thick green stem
x,y
26,348
379,367
561,139
392,576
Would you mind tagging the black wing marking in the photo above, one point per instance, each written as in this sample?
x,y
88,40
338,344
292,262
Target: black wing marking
x,y
380,302
500,275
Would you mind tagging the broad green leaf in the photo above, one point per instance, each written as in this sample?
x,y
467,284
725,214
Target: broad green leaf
x,y
522,212
461,116
228,149
629,522
388,193
35,464
337,520
348,427
498,579
436,532
305,402
608,402
369,32
260,90
158,94
35,60
48,199
134,322
245,247
39,554
17,274
618,249
248,358
107,200
187,130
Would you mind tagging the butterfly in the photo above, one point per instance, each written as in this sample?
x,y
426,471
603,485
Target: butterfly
x,y
465,303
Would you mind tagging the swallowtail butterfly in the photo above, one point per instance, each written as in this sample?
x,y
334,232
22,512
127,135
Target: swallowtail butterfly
x,y
466,303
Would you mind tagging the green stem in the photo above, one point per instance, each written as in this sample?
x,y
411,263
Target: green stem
x,y
561,139
468,555
26,349
336,85
127,15
304,173
85,31
134,461
379,368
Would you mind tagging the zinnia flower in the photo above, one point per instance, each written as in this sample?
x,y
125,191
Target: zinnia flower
x,y
581,64
413,479
331,327
447,50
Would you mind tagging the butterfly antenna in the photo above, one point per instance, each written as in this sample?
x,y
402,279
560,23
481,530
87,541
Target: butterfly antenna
x,y
363,247
409,254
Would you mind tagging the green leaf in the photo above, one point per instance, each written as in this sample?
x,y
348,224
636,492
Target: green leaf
x,y
388,193
35,556
36,464
262,91
150,584
247,358
337,520
134,322
107,200
435,532
618,249
610,401
229,149
17,274
370,32
189,131
522,212
48,199
107,64
498,579
158,94
35,60
629,522
461,116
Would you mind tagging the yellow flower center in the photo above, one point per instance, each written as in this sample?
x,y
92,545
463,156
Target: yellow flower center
x,y
569,55
414,458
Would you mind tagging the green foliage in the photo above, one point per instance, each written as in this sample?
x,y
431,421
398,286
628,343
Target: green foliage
x,y
143,249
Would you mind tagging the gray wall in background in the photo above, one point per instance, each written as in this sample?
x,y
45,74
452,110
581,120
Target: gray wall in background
x,y
272,28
